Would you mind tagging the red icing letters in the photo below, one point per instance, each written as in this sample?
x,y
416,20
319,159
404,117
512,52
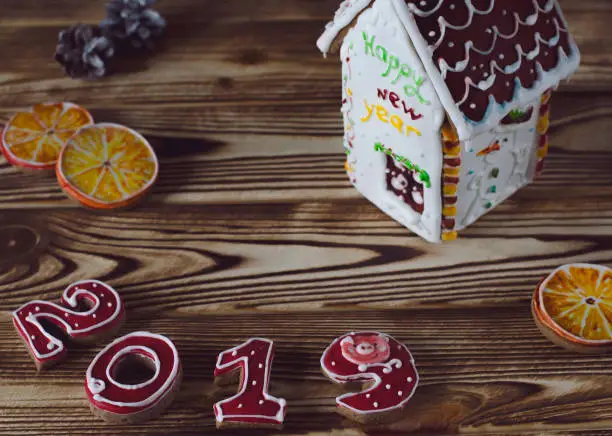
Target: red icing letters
x,y
375,358
118,402
103,318
252,406
394,99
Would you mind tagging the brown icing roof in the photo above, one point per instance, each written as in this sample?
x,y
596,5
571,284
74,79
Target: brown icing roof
x,y
492,51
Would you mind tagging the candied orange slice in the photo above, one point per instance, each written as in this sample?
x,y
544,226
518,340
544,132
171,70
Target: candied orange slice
x,y
106,166
34,139
575,302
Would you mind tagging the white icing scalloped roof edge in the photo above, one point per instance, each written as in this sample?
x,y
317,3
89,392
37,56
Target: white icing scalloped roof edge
x,y
566,67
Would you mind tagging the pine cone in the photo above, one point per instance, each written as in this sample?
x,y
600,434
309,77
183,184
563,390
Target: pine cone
x,y
84,52
133,24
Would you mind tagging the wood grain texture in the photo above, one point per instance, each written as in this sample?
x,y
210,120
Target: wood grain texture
x,y
253,229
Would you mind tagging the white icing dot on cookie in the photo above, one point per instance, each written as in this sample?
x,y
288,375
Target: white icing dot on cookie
x,y
432,33
400,393
375,404
388,386
501,56
240,406
66,315
260,365
33,337
29,313
95,285
333,363
37,309
473,106
253,353
76,324
451,44
261,402
94,316
254,382
109,304
423,3
452,7
50,346
234,353
368,395
409,379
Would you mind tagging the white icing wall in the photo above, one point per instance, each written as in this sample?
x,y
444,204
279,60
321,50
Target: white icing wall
x,y
385,59
486,181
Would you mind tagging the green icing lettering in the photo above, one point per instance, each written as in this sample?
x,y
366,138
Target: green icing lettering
x,y
381,54
369,45
415,90
393,63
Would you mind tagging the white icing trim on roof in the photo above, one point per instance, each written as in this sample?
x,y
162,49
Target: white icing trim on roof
x,y
495,112
443,24
346,13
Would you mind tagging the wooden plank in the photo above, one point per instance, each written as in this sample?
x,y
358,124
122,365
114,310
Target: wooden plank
x,y
303,256
482,371
211,168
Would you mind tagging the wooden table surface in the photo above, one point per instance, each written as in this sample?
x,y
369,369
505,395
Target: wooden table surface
x,y
254,230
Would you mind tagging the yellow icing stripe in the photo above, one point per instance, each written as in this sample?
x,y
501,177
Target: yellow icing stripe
x,y
543,152
449,211
543,124
452,171
452,152
449,134
449,236
450,189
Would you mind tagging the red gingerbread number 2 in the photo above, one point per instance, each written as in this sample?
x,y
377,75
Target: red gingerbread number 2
x,y
104,316
252,405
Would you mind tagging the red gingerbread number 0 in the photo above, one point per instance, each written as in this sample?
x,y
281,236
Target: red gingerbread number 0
x,y
252,405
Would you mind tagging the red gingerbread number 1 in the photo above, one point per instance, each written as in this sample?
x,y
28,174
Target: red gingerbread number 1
x,y
252,405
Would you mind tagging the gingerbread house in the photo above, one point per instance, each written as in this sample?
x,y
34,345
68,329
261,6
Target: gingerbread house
x,y
446,102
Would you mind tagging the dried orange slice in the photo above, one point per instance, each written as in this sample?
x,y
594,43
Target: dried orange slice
x,y
34,139
573,307
106,166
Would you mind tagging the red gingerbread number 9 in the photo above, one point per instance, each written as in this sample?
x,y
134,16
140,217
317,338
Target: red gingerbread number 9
x,y
374,358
